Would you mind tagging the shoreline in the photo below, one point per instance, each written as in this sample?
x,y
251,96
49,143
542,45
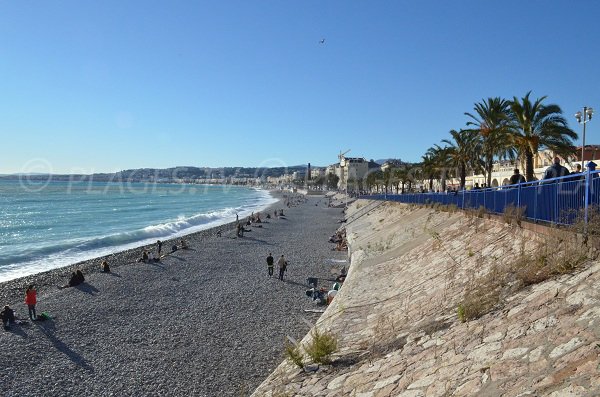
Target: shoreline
x,y
204,321
11,290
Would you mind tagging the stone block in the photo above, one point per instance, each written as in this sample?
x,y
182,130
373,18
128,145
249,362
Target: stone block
x,y
386,382
514,353
535,354
485,353
422,382
565,348
469,388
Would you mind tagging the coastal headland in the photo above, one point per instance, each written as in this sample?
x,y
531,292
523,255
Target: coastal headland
x,y
206,321
447,303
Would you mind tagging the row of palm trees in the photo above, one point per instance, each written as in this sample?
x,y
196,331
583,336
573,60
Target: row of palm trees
x,y
499,129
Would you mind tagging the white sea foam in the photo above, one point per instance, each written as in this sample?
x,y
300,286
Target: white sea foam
x,y
45,257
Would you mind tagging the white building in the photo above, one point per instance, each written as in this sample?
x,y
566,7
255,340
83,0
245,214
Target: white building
x,y
352,168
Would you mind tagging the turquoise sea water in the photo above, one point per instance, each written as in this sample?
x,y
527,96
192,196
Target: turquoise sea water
x,y
48,225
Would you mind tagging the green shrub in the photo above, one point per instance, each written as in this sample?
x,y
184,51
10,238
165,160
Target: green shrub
x,y
321,346
293,353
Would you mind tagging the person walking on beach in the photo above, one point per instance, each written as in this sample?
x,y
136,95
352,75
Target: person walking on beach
x,y
270,264
30,301
158,246
282,266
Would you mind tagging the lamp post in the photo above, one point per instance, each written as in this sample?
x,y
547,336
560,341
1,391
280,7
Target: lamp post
x,y
583,118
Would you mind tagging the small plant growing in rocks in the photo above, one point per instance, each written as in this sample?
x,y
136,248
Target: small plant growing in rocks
x,y
293,353
481,211
322,345
513,214
483,298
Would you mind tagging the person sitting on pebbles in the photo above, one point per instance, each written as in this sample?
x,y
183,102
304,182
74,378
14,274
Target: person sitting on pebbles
x,y
8,317
144,257
105,267
76,279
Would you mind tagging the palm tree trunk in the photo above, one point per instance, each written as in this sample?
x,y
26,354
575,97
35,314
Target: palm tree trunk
x,y
490,167
443,180
463,176
529,165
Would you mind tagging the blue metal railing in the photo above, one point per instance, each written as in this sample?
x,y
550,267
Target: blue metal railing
x,y
557,200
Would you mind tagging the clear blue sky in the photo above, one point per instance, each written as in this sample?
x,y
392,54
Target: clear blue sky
x,y
93,86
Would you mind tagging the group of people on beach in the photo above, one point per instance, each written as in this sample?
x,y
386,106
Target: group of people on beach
x,y
293,200
77,278
148,255
8,314
282,263
339,238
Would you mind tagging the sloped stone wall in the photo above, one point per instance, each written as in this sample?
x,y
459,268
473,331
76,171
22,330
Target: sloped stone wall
x,y
396,318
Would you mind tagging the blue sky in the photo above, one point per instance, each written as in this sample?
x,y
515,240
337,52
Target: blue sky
x,y
102,86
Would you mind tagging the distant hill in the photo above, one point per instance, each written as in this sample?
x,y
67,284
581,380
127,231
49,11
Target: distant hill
x,y
172,174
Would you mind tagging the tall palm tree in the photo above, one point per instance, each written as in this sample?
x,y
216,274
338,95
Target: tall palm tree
x,y
402,177
429,166
442,163
492,124
536,126
462,152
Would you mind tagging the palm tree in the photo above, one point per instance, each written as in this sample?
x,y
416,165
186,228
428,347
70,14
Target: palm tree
x,y
374,179
441,163
492,124
538,126
429,166
462,152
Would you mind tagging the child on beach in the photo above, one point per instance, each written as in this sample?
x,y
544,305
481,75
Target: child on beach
x,y
105,267
30,301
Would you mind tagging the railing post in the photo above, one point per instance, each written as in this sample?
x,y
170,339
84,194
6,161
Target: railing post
x,y
535,199
588,190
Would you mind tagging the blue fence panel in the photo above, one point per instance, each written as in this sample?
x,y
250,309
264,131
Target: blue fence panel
x,y
557,200
594,196
571,199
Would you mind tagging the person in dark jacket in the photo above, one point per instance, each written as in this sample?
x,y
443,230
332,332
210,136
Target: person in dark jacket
x,y
516,178
8,316
556,170
270,264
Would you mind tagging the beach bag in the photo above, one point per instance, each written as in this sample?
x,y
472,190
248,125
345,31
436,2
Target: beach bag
x,y
44,316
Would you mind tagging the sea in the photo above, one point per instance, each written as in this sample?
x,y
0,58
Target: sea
x,y
48,224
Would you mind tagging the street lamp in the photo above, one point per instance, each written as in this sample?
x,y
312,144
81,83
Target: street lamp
x,y
583,118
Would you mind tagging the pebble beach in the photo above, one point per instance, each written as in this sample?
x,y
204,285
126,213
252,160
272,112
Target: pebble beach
x,y
206,321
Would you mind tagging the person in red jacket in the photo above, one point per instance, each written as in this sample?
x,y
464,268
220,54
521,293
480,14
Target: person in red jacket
x,y
30,301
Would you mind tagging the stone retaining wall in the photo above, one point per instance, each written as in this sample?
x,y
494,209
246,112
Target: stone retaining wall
x,y
396,316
